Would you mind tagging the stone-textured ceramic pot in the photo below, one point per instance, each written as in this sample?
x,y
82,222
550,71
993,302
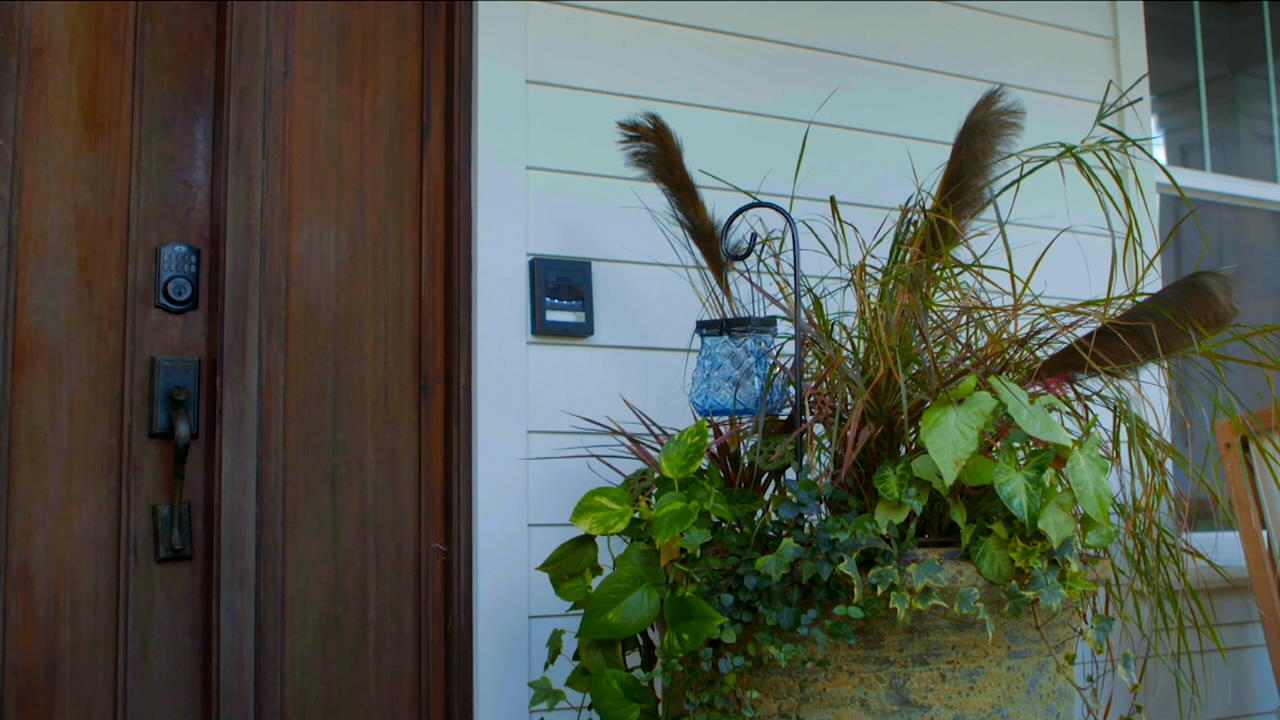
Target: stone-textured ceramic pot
x,y
931,669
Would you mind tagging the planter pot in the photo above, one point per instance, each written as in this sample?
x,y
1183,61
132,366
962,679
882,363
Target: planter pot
x,y
933,668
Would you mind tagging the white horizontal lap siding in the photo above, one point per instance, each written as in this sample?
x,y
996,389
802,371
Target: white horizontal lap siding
x,y
738,82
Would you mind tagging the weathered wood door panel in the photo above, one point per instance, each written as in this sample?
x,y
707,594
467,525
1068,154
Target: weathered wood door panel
x,y
112,109
317,154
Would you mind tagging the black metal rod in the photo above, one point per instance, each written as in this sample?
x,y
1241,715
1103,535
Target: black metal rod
x,y
797,320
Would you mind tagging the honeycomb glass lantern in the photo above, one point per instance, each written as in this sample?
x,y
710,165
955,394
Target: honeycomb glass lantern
x,y
736,373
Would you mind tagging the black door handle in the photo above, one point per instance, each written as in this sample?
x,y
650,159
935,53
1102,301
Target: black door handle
x,y
172,521
178,398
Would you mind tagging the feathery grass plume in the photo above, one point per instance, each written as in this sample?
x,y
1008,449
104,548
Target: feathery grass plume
x,y
1187,310
653,149
987,135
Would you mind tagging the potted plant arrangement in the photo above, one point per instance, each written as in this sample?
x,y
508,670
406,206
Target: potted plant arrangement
x,y
966,512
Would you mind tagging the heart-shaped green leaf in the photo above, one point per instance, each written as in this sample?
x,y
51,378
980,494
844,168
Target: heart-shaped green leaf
x,y
1021,489
891,480
891,512
950,431
618,695
627,600
991,556
572,556
603,511
1088,471
1057,519
1032,418
684,453
672,516
690,622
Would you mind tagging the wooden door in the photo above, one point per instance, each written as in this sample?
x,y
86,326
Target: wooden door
x,y
317,155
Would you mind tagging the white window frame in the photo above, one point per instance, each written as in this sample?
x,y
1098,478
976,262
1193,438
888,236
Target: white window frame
x,y
1222,546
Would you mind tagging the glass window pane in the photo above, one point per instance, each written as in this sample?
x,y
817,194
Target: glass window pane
x,y
1245,243
1175,88
1239,96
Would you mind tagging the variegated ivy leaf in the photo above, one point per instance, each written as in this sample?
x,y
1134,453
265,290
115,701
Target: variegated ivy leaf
x,y
901,602
927,599
1100,627
882,577
923,574
544,693
1045,586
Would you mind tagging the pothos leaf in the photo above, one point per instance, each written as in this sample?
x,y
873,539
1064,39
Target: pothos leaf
x,y
627,600
963,389
603,511
618,695
926,469
684,453
690,622
672,516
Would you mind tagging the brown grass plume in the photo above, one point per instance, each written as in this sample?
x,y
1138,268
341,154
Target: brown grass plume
x,y
1185,311
987,135
653,149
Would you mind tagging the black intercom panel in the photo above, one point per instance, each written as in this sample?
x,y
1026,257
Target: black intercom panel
x,y
560,297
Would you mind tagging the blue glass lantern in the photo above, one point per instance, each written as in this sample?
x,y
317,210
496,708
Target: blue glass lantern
x,y
736,370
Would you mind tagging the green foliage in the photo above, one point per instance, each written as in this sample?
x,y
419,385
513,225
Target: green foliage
x,y
951,430
544,693
603,511
926,426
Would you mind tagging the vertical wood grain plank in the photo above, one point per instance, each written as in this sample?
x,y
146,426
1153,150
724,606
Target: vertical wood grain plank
x,y
167,634
340,534
238,176
10,52
70,227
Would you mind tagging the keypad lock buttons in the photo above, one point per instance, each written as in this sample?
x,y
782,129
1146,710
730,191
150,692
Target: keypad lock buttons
x,y
177,277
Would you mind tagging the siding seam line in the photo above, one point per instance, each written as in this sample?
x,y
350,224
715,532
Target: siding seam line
x,y
812,48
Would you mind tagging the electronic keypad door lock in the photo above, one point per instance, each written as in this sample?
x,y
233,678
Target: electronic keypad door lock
x,y
177,277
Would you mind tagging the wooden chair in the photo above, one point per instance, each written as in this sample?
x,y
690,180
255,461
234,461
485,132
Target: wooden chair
x,y
1251,478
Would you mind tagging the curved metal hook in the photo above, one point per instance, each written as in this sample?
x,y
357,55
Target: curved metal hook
x,y
797,319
